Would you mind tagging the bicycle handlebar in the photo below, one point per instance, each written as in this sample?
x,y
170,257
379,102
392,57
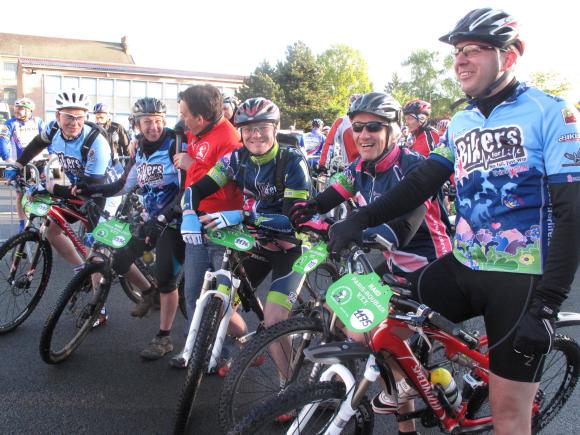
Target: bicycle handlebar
x,y
30,165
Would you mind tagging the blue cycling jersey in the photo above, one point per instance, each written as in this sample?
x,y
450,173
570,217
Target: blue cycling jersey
x,y
98,160
256,176
312,143
15,135
156,175
503,165
367,181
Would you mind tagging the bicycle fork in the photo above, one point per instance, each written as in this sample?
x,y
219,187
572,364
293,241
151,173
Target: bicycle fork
x,y
348,406
226,294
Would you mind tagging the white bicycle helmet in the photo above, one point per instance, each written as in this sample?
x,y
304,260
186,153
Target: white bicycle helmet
x,y
72,99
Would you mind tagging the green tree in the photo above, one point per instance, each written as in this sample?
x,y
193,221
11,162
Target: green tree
x,y
550,82
261,84
431,79
345,72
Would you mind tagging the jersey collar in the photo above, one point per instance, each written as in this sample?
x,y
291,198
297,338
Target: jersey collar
x,y
265,158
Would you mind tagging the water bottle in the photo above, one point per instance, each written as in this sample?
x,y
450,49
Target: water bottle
x,y
441,376
148,257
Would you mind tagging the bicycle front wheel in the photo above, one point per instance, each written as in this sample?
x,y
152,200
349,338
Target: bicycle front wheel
x,y
74,314
198,364
25,266
271,361
325,396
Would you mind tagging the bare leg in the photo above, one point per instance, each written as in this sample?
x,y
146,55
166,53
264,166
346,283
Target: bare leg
x,y
511,405
168,302
63,245
135,276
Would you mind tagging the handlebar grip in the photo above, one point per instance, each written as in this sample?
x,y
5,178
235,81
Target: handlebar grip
x,y
444,324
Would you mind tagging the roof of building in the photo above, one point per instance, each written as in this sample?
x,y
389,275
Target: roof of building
x,y
28,62
64,48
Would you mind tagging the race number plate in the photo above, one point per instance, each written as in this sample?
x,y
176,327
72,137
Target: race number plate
x,y
113,233
361,302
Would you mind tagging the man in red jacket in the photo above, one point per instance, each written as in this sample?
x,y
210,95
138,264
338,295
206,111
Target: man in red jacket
x,y
209,137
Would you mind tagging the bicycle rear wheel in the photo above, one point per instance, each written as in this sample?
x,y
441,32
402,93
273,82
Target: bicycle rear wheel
x,y
271,361
198,364
73,316
314,287
25,267
327,396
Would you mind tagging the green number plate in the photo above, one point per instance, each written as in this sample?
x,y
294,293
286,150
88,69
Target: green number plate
x,y
360,301
233,238
38,205
311,259
113,233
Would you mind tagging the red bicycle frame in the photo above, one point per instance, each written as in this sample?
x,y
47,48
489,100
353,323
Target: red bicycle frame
x,y
386,338
59,213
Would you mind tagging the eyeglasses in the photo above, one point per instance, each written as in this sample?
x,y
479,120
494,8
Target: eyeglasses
x,y
261,129
372,127
470,50
70,118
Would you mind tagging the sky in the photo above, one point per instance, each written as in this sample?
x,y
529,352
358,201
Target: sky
x,y
234,37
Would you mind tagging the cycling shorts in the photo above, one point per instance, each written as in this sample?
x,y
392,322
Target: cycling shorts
x,y
286,283
460,293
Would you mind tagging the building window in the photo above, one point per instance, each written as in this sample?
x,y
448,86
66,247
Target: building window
x,y
70,82
155,90
105,88
138,90
52,84
9,95
10,71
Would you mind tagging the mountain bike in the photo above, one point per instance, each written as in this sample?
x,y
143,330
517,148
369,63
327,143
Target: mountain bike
x,y
222,292
338,403
81,301
26,258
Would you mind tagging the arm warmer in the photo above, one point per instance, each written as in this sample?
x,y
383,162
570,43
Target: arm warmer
x,y
564,251
65,191
328,199
34,148
406,226
417,187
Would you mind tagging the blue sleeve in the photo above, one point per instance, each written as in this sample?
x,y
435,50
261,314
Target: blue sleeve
x,y
42,126
98,157
297,183
5,135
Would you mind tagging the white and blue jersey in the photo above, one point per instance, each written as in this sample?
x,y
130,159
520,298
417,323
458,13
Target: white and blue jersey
x,y
98,160
15,135
503,165
312,143
156,175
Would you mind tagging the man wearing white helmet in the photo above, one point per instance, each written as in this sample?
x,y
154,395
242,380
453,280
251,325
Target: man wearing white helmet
x,y
15,135
84,155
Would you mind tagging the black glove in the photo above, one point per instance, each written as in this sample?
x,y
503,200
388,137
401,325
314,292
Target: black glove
x,y
86,189
303,211
153,229
536,330
347,231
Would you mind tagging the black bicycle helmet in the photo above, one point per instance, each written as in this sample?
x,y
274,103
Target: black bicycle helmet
x,y
149,106
256,110
379,104
492,26
317,123
417,107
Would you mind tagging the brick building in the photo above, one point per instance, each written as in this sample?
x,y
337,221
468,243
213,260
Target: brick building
x,y
38,67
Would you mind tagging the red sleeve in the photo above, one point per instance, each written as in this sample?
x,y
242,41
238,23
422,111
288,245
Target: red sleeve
x,y
349,145
329,141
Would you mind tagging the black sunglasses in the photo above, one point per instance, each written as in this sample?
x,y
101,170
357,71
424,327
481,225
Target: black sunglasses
x,y
372,127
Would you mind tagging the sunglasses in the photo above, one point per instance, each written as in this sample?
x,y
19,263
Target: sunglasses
x,y
372,127
68,117
473,49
